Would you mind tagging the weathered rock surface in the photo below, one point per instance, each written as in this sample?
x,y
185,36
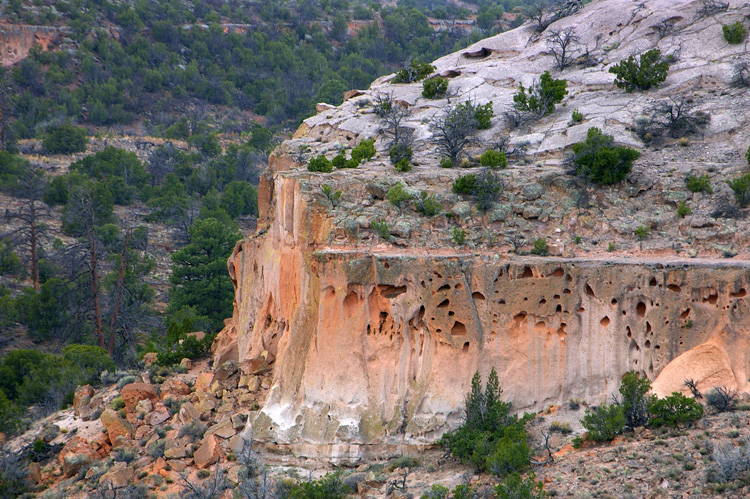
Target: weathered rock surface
x,y
135,392
117,428
373,345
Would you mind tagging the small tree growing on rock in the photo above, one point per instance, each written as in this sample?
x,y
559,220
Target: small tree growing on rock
x,y
453,131
741,188
537,100
562,42
600,161
648,70
734,33
674,117
741,77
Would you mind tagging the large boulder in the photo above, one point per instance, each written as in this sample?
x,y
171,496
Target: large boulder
x,y
208,453
707,365
119,476
135,392
117,428
86,404
75,455
174,388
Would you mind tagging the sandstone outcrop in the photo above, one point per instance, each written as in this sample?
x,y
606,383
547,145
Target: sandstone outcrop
x,y
373,343
16,40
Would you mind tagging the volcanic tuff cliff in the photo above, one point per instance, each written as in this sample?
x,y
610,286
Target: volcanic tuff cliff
x,y
374,344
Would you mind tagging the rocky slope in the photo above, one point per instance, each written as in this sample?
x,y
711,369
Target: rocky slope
x,y
374,343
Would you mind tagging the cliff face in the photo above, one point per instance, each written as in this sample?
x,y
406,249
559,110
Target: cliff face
x,y
17,40
375,350
374,342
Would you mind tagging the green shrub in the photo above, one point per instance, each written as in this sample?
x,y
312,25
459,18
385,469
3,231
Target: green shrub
x,y
320,164
560,427
747,155
734,33
600,161
459,236
434,87
436,491
339,160
605,422
640,74
490,437
398,195
364,151
741,188
124,454
465,184
516,487
117,403
10,262
126,380
699,183
91,360
683,209
65,139
415,72
642,232
483,115
427,205
382,228
673,410
329,486
541,97
493,159
487,188
203,474
445,162
400,152
330,194
540,247
10,417
633,399
576,116
402,166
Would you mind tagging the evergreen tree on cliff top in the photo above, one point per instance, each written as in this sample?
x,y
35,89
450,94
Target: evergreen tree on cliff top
x,y
199,275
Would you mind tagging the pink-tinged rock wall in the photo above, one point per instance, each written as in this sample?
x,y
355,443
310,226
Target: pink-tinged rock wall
x,y
373,351
17,40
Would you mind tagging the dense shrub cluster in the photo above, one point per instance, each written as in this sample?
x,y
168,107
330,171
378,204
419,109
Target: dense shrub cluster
x,y
493,159
490,437
29,377
434,87
741,188
636,408
642,73
600,161
699,183
541,97
65,139
416,71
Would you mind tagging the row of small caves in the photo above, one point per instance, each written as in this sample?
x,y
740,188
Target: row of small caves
x,y
445,314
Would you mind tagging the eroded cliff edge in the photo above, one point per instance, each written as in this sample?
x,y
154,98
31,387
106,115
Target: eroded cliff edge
x,y
374,344
374,350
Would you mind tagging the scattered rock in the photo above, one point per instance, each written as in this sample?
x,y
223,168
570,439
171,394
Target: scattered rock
x,y
208,453
135,392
